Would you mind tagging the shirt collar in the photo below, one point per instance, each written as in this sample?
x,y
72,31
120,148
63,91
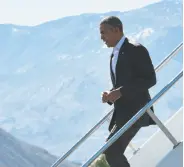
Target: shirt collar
x,y
119,44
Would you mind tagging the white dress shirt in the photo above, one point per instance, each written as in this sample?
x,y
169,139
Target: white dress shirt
x,y
116,53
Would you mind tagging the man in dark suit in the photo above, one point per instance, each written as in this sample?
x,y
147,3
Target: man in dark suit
x,y
132,74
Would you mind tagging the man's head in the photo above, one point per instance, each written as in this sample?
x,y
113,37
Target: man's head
x,y
111,30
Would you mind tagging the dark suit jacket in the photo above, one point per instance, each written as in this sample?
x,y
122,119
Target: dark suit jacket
x,y
135,74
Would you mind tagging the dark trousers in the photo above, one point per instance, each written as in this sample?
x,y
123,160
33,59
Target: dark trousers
x,y
115,153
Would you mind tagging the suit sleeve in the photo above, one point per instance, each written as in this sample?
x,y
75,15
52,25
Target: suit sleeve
x,y
143,71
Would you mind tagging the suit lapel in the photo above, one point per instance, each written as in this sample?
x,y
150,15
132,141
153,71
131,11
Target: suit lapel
x,y
120,55
111,72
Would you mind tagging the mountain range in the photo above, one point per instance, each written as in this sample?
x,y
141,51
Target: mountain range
x,y
52,75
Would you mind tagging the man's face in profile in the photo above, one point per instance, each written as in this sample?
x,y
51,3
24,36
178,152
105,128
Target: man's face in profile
x,y
108,34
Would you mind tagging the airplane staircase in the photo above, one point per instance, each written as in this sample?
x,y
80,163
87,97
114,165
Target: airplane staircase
x,y
163,149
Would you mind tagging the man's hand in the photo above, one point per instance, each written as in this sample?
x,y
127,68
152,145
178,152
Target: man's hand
x,y
114,95
104,96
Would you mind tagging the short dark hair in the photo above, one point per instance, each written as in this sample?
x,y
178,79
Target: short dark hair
x,y
113,21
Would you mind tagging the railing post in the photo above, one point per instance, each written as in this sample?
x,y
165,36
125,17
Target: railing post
x,y
162,127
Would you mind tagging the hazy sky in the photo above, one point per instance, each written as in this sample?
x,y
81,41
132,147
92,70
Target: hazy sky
x,y
33,12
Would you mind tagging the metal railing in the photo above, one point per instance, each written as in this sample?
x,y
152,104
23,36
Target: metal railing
x,y
84,138
136,117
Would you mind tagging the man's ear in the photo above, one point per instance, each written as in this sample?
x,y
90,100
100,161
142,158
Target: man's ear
x,y
117,29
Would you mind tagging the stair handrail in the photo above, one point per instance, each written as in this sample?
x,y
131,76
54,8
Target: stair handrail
x,y
137,116
92,130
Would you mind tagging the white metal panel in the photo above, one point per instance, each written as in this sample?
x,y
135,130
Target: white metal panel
x,y
174,158
158,146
